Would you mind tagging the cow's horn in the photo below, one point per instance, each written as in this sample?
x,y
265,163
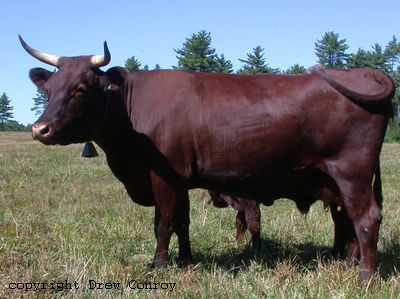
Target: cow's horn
x,y
102,60
43,57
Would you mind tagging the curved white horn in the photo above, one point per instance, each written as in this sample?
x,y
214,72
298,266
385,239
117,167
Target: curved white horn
x,y
43,57
102,60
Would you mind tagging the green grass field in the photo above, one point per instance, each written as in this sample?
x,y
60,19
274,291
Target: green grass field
x,y
66,222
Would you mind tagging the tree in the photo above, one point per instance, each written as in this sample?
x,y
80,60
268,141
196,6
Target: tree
x,y
223,65
331,51
379,58
295,69
255,63
132,64
39,102
197,54
361,58
5,110
375,59
396,78
13,125
392,54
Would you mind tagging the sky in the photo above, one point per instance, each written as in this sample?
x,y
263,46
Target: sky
x,y
150,30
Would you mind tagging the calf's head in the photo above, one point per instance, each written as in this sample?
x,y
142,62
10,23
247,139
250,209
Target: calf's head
x,y
76,96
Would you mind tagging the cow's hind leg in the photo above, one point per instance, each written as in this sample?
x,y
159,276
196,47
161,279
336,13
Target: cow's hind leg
x,y
365,214
344,229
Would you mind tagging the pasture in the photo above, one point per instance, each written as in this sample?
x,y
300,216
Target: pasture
x,y
68,229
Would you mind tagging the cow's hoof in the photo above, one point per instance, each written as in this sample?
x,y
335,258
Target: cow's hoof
x,y
256,252
185,261
365,275
337,254
351,262
156,264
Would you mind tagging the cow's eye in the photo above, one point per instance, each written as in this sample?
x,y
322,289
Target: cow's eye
x,y
82,89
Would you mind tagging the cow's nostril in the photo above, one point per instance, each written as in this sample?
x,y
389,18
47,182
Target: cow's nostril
x,y
41,131
44,129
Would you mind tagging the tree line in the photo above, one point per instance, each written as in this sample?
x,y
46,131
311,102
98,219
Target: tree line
x,y
197,54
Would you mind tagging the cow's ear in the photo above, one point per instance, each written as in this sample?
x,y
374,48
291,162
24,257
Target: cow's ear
x,y
39,76
116,75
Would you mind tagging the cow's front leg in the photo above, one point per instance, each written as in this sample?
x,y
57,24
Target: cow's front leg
x,y
172,215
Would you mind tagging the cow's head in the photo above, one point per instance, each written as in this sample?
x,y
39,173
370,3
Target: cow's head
x,y
76,95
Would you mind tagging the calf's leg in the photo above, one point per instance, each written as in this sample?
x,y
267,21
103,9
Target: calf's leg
x,y
344,234
253,219
241,226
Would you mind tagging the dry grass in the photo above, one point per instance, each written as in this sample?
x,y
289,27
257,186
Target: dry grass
x,y
65,218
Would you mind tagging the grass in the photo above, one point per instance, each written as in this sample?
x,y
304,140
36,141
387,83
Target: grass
x,y
65,220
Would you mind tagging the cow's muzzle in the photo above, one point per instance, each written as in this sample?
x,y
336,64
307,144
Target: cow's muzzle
x,y
42,131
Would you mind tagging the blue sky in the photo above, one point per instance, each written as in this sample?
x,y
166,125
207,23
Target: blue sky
x,y
151,29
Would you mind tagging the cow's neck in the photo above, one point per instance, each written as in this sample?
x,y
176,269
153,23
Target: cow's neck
x,y
125,152
115,129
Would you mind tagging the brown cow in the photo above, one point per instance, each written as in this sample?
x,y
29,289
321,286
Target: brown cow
x,y
314,135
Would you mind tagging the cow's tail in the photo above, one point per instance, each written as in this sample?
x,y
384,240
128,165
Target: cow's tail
x,y
377,186
385,93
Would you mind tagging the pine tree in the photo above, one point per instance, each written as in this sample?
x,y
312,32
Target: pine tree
x,y
197,54
379,59
331,51
361,58
375,59
39,102
392,54
5,110
132,64
223,65
255,63
295,69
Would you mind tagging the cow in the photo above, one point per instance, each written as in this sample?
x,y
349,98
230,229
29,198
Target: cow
x,y
315,135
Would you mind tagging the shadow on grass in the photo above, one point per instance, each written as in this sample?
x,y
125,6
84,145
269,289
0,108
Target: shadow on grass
x,y
272,252
389,259
307,256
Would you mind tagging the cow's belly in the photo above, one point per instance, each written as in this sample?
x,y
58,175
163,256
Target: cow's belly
x,y
300,184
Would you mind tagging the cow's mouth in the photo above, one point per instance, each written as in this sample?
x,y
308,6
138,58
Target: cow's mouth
x,y
48,135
